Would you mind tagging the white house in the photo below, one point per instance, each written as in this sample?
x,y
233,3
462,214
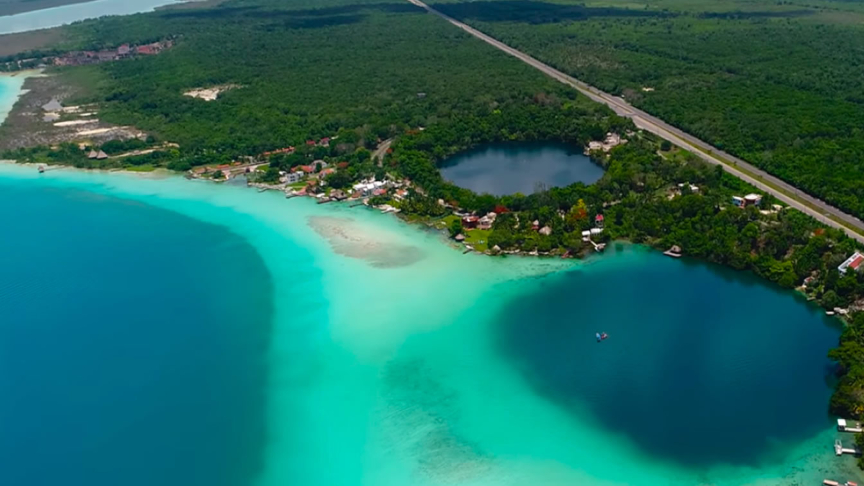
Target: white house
x,y
854,262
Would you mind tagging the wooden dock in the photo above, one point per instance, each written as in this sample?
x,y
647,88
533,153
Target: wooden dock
x,y
844,425
840,450
674,252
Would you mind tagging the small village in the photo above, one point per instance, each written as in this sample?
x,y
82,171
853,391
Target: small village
x,y
84,58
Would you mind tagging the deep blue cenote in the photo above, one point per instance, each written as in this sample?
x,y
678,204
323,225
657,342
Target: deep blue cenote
x,y
129,352
508,168
703,365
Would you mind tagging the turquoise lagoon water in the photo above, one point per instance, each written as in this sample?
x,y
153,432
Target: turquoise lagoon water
x,y
391,358
128,353
67,14
10,90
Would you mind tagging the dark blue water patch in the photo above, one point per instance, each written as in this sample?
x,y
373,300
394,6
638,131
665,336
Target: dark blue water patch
x,y
132,345
703,365
508,168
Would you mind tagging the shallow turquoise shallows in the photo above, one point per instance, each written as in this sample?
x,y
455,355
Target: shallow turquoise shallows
x,y
10,89
389,359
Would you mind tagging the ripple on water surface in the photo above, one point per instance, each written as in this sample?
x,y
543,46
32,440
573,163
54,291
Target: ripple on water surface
x,y
702,366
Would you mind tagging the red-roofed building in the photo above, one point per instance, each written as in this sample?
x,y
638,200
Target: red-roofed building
x,y
147,50
379,192
324,142
598,220
310,143
342,165
854,262
470,222
307,169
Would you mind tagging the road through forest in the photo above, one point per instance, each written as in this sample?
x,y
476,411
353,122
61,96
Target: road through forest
x,y
783,191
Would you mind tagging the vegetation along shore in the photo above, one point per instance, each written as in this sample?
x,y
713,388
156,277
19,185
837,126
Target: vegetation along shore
x,y
375,127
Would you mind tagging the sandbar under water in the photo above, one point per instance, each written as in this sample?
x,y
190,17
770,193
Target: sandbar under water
x,y
390,372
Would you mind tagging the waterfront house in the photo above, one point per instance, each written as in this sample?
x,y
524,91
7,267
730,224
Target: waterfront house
x,y
93,154
470,222
485,223
854,262
337,194
294,177
101,155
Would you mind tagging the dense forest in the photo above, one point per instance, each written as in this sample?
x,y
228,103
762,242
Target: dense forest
x,y
375,69
776,83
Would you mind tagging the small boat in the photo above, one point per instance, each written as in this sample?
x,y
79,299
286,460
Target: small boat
x,y
601,336
41,169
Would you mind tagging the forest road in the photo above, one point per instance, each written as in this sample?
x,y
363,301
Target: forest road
x,y
782,190
381,151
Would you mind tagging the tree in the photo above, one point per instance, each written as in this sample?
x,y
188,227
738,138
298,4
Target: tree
x,y
271,175
455,227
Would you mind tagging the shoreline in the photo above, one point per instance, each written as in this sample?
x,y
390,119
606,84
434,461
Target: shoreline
x,y
37,5
8,105
803,461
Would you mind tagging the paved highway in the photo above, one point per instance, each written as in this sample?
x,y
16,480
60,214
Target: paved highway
x,y
783,191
